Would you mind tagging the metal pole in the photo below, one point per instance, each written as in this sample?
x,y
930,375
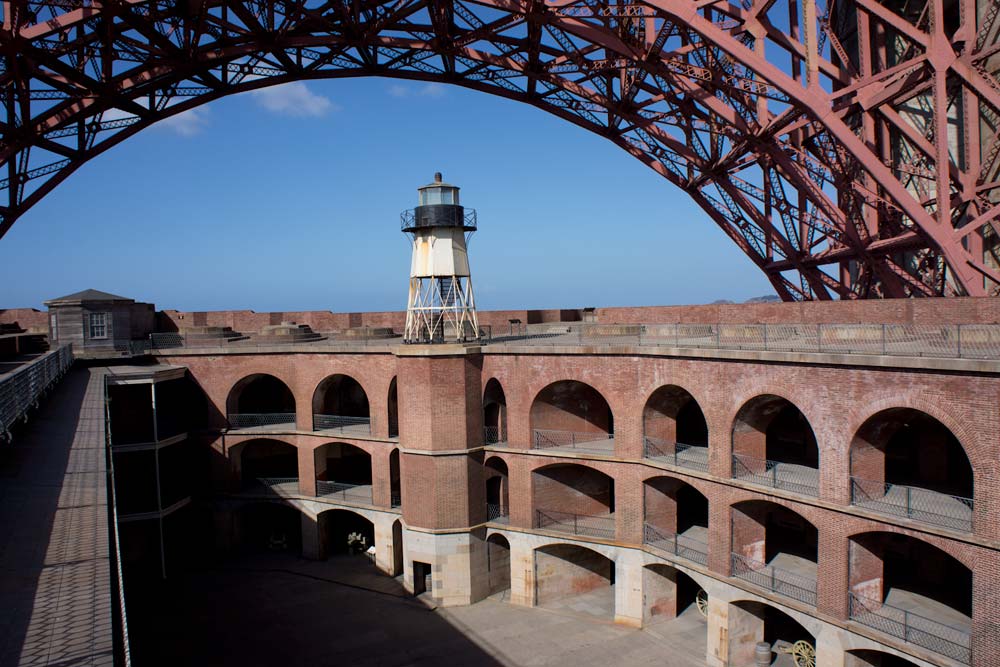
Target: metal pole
x,y
159,496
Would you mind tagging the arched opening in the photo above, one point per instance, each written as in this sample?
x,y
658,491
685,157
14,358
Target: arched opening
x,y
269,462
343,473
260,401
675,518
668,593
869,658
340,404
775,548
753,622
912,590
395,488
494,414
497,494
345,533
906,463
498,564
571,498
397,548
393,409
573,578
268,527
774,445
674,429
571,415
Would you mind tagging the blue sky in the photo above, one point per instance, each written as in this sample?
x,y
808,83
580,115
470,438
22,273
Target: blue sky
x,y
289,199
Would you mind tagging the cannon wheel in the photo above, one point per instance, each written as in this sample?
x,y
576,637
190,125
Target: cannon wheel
x,y
701,600
804,654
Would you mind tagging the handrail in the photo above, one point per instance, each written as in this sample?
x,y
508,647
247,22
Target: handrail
x,y
602,527
925,505
497,513
342,423
774,579
771,473
954,341
682,546
260,419
672,453
546,438
911,628
21,389
494,435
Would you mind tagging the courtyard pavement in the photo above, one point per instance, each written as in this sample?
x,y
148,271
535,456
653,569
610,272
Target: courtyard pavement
x,y
276,609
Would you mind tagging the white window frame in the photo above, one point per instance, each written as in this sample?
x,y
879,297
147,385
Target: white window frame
x,y
54,326
104,325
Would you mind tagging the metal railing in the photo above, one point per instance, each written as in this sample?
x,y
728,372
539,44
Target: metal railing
x,y
602,527
960,341
914,503
681,546
280,486
601,443
21,389
132,348
775,579
497,513
261,420
963,341
494,435
162,341
345,425
694,457
776,474
351,493
912,628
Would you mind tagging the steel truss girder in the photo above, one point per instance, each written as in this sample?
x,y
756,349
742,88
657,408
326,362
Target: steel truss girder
x,y
821,162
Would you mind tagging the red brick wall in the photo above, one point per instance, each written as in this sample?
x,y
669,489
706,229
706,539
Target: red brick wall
x,y
34,321
441,406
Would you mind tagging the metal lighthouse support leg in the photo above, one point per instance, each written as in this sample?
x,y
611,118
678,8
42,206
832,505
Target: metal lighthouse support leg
x,y
441,306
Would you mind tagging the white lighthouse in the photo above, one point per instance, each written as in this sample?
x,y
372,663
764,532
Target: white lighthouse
x,y
441,307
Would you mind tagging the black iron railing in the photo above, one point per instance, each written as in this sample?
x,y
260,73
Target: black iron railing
x,y
912,628
914,503
776,474
777,580
602,527
682,546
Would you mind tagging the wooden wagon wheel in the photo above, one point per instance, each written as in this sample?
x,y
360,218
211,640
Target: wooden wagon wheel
x,y
804,654
701,600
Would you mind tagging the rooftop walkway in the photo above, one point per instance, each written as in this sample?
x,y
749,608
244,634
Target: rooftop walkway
x,y
55,573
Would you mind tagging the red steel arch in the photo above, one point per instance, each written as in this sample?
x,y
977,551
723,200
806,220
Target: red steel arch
x,y
815,137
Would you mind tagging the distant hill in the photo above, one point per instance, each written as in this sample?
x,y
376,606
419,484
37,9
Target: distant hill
x,y
722,302
767,298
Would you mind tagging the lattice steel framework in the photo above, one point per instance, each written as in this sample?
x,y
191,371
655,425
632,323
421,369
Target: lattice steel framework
x,y
816,137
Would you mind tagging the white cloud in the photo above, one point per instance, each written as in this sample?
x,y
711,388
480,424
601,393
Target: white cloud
x,y
187,123
293,99
431,90
425,90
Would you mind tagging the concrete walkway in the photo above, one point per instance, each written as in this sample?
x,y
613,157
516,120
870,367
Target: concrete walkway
x,y
55,580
